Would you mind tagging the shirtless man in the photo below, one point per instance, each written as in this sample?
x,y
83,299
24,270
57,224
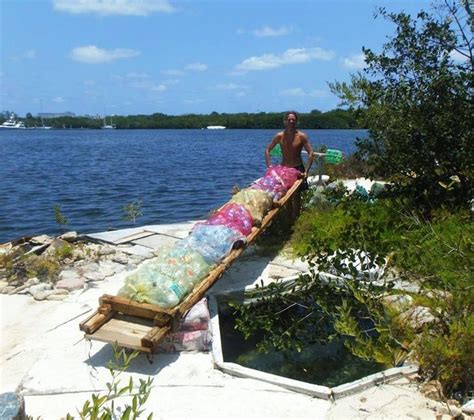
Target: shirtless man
x,y
292,142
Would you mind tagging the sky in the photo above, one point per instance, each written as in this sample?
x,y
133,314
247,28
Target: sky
x,y
128,57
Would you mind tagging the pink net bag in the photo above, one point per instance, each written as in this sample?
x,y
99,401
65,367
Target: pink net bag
x,y
234,216
287,176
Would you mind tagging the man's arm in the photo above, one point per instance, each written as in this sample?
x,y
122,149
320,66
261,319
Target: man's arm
x,y
269,148
309,149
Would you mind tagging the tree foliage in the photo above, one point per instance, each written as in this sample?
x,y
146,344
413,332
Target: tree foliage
x,y
416,98
337,118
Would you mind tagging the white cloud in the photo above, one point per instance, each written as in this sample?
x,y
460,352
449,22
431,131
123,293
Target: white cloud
x,y
194,101
316,93
228,86
142,81
114,7
355,61
93,55
268,31
172,72
290,56
293,92
158,88
27,55
58,99
196,67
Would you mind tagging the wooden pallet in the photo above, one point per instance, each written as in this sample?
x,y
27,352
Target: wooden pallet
x,y
142,326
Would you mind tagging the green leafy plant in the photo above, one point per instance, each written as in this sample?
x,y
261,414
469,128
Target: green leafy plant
x,y
103,406
132,211
60,218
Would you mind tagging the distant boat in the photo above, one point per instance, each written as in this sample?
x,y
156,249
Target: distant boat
x,y
108,126
43,127
215,127
12,123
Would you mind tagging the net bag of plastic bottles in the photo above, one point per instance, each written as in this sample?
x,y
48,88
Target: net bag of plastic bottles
x,y
271,186
166,279
234,216
257,202
287,176
212,242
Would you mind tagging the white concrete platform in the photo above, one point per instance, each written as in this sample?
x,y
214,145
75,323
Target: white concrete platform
x,y
45,358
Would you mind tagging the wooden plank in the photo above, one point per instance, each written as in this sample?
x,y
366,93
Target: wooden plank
x,y
154,336
132,308
96,320
124,333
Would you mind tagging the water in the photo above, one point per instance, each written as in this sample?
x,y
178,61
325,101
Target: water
x,y
180,175
328,365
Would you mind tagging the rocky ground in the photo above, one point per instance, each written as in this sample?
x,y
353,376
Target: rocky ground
x,y
48,268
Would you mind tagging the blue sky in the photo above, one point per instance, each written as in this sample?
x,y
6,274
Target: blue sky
x,y
176,57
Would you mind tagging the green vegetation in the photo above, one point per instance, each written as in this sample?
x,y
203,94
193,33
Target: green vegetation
x,y
132,211
337,118
417,104
103,406
60,218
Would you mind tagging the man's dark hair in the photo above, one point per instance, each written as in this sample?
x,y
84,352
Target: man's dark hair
x,y
291,112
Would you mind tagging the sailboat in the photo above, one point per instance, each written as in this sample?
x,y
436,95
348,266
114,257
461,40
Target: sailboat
x,y
108,126
43,127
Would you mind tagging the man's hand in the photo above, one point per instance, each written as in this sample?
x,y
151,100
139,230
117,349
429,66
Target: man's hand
x,y
302,175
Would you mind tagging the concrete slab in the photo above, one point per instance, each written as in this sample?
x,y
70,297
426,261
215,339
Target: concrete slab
x,y
156,241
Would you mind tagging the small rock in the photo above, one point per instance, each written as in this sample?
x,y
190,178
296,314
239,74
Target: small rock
x,y
56,244
42,294
6,290
39,288
417,317
109,268
398,302
68,274
68,236
25,286
3,283
32,281
71,283
41,240
450,410
106,250
120,258
57,297
433,390
468,408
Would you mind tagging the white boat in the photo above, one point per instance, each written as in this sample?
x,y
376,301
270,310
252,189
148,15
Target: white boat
x,y
108,126
215,127
12,123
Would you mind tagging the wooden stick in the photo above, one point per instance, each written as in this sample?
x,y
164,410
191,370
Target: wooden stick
x,y
96,320
154,336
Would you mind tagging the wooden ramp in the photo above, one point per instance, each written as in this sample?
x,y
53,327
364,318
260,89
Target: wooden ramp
x,y
142,326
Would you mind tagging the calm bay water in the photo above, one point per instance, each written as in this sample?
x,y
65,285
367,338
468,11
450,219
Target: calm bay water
x,y
179,174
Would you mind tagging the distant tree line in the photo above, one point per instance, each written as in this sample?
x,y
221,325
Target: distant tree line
x,y
337,118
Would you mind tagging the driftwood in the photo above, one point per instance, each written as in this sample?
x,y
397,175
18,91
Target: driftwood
x,y
142,326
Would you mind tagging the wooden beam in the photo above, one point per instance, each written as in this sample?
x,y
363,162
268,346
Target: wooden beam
x,y
154,336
